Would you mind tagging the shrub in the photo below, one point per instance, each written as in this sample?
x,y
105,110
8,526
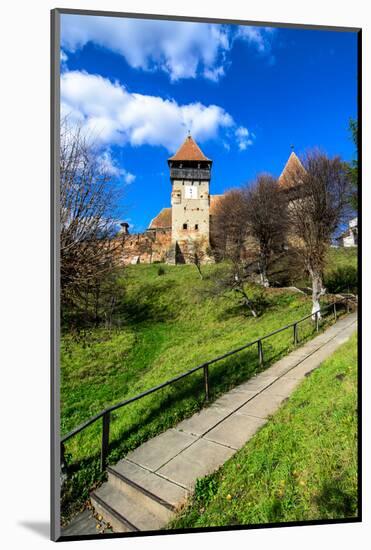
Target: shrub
x,y
342,279
161,271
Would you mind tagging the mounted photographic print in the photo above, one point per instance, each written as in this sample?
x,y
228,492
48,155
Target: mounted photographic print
x,y
205,184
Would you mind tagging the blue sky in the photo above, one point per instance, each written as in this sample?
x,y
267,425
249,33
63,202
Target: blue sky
x,y
246,94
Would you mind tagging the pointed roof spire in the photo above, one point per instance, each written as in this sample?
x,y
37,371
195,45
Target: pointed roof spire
x,y
293,168
189,150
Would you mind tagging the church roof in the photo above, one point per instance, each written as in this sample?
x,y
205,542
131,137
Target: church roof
x,y
162,220
291,171
189,150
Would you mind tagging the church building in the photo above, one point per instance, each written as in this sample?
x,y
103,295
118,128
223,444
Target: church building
x,y
172,233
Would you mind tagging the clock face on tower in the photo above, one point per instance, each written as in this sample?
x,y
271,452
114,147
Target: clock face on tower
x,y
190,192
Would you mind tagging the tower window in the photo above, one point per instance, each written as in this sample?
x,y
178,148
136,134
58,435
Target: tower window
x,y
184,226
196,226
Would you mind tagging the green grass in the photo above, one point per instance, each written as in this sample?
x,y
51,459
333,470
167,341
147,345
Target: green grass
x,y
337,259
302,465
168,324
341,274
341,257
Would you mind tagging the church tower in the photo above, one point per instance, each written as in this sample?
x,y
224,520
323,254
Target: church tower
x,y
190,173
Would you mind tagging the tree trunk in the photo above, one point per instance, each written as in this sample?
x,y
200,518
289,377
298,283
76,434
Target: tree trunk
x,y
317,291
263,271
247,301
199,270
264,279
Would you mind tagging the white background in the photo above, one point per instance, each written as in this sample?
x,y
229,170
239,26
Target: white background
x,y
24,230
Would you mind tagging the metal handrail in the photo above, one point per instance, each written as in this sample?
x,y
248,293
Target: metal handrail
x,y
105,414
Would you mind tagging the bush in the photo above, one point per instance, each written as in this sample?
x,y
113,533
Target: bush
x,y
161,271
342,279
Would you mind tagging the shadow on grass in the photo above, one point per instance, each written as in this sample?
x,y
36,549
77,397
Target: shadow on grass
x,y
334,502
147,304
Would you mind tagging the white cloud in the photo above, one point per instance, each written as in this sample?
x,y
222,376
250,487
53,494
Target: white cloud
x,y
214,74
259,37
110,167
115,116
128,177
243,137
182,49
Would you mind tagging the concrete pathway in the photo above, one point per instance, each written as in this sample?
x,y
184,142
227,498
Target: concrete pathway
x,y
166,467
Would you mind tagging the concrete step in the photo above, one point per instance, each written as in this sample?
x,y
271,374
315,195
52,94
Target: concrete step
x,y
125,514
158,495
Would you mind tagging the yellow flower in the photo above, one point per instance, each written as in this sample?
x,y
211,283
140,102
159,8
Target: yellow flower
x,y
229,497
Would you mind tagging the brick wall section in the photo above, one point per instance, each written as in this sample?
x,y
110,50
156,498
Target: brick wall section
x,y
148,247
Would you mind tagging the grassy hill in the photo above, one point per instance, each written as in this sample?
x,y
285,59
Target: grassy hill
x,y
302,465
341,257
169,323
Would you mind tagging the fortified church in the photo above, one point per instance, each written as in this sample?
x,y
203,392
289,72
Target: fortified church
x,y
171,234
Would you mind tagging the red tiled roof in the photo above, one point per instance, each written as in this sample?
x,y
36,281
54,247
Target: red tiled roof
x,y
189,150
291,171
163,219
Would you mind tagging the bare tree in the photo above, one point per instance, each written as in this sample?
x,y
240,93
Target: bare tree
x,y
88,196
229,233
197,253
229,226
318,205
266,221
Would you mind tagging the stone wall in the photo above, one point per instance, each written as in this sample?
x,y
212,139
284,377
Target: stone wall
x,y
148,247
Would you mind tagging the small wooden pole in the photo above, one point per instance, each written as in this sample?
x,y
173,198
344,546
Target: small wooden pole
x,y
260,353
206,380
105,440
295,334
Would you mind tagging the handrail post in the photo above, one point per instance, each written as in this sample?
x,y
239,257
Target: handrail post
x,y
335,313
317,321
295,334
347,304
260,353
206,380
105,440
